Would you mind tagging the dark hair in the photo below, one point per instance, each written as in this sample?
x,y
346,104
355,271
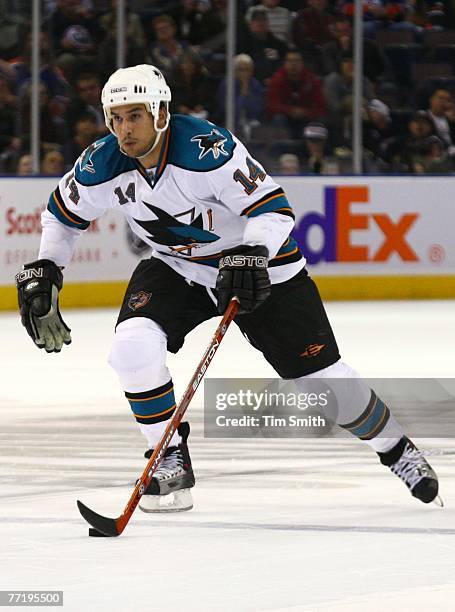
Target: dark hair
x,y
259,12
87,76
163,19
294,51
85,117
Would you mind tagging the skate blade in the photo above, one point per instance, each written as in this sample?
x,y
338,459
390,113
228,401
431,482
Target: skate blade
x,y
178,501
438,501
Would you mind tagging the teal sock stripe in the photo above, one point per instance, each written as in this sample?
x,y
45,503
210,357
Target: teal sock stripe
x,y
372,420
153,406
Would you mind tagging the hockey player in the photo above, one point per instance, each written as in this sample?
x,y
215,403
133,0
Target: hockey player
x,y
219,227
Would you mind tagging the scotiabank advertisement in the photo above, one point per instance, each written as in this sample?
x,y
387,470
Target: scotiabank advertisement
x,y
102,252
374,225
346,226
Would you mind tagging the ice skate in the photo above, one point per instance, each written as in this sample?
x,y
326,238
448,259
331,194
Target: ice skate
x,y
169,490
408,463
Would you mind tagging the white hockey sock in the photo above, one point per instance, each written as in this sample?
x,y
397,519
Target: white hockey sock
x,y
360,411
138,355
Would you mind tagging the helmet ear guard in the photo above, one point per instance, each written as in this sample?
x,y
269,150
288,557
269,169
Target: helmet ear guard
x,y
142,84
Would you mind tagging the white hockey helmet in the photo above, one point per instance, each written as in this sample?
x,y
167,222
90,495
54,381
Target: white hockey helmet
x,y
142,84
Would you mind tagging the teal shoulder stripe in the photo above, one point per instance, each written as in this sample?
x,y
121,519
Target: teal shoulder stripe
x,y
288,253
64,217
289,246
272,205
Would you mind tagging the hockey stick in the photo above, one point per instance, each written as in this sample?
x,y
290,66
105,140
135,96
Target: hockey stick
x,y
114,527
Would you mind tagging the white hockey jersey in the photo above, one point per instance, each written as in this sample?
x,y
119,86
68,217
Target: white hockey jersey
x,y
207,195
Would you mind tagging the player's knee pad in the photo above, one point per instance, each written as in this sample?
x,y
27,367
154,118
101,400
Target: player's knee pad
x,y
138,354
352,394
336,370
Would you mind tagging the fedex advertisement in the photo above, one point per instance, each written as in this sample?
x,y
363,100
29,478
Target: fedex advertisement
x,y
374,225
348,228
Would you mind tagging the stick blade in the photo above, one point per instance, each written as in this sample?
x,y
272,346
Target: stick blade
x,y
107,526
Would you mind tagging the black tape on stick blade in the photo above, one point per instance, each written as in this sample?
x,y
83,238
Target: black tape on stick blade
x,y
96,534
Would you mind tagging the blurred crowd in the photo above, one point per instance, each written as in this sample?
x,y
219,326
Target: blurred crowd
x,y
294,78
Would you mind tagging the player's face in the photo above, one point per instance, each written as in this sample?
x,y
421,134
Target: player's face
x,y
133,126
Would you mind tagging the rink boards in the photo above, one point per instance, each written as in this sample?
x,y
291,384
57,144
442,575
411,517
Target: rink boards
x,y
364,238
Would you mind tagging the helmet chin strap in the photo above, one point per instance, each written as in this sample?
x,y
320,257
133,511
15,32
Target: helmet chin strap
x,y
155,142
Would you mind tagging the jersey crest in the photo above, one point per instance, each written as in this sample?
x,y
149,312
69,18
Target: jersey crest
x,y
211,143
168,231
86,161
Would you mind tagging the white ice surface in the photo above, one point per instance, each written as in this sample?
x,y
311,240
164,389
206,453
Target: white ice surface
x,y
288,525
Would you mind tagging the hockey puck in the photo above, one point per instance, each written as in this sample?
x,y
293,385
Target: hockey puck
x,y
94,533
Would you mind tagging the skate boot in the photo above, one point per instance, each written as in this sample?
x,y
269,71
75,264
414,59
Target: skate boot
x,y
169,489
408,463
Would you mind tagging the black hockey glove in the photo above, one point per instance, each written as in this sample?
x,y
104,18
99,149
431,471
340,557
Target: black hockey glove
x,y
38,286
243,274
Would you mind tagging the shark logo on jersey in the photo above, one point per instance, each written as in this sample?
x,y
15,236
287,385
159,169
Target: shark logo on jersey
x,y
167,230
213,142
85,160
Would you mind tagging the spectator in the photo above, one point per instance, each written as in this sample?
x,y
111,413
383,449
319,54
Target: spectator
x,y
374,61
52,126
338,89
266,50
87,102
19,71
134,29
106,60
377,129
85,132
75,34
294,95
166,51
440,113
208,25
316,160
8,123
435,15
433,158
53,163
279,18
249,96
380,14
191,88
312,25
288,163
402,150
184,15
24,165
12,31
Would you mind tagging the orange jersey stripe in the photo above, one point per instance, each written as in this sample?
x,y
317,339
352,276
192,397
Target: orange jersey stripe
x,y
62,210
286,254
284,208
277,195
166,147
